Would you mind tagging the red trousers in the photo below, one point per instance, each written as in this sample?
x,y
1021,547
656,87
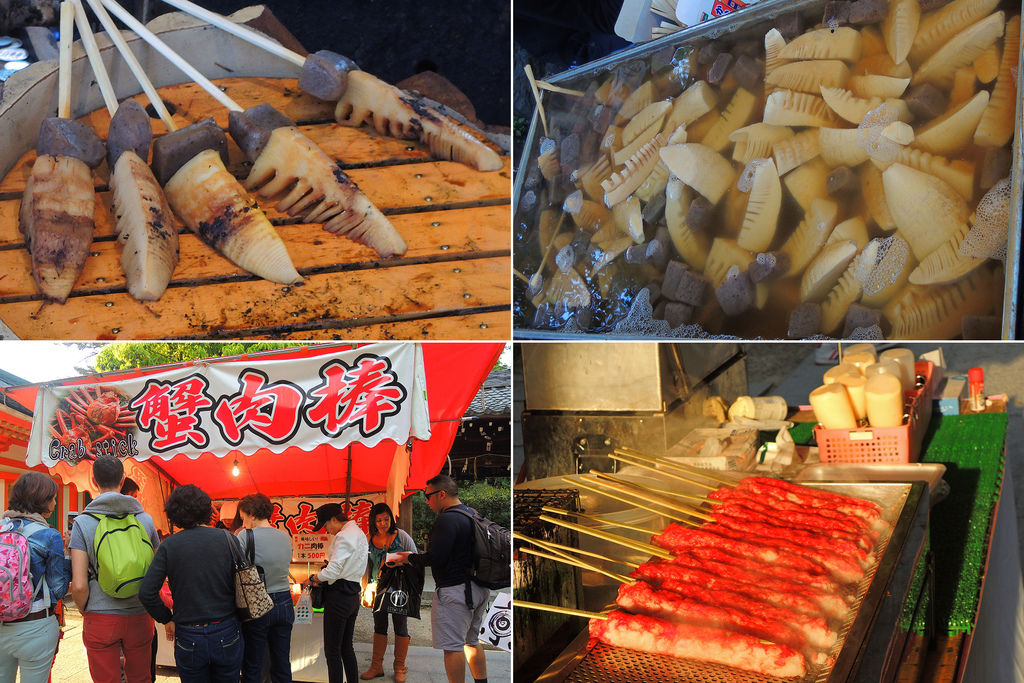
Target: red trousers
x,y
105,636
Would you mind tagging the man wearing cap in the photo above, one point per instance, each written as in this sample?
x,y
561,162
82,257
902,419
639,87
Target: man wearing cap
x,y
459,603
341,581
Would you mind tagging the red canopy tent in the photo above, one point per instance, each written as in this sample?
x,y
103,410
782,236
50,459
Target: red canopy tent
x,y
453,372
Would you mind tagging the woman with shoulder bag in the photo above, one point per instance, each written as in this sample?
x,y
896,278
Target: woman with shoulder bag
x,y
270,549
29,643
199,565
385,537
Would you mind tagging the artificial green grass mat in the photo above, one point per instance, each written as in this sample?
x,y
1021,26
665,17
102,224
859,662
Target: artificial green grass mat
x,y
802,433
971,448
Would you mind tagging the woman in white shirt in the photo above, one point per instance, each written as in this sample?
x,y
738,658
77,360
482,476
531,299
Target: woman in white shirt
x,y
341,580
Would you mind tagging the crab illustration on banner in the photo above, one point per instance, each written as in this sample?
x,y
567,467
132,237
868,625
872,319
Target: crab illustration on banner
x,y
363,395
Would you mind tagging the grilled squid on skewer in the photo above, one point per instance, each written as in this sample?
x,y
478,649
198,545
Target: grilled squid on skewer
x,y
291,170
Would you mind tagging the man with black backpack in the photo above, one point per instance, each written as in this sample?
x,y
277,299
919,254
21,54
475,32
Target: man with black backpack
x,y
460,600
112,545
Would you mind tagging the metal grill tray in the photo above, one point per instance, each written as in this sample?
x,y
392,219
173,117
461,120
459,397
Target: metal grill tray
x,y
584,661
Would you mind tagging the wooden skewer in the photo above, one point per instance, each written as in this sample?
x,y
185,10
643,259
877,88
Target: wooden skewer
x,y
537,279
576,562
114,33
555,547
613,538
679,466
92,50
667,470
594,485
67,30
560,610
536,95
520,276
624,487
544,85
172,56
600,520
639,463
243,32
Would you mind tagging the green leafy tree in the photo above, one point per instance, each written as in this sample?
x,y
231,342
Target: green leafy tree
x,y
491,499
130,355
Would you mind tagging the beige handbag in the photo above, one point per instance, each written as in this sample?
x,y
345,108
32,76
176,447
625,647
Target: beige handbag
x,y
251,597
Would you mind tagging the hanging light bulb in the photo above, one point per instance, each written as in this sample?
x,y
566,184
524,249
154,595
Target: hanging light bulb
x,y
234,470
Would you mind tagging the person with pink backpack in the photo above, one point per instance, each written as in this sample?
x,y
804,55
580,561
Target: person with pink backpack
x,y
34,576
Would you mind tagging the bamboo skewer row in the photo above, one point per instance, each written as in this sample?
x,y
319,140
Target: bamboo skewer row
x,y
556,547
560,610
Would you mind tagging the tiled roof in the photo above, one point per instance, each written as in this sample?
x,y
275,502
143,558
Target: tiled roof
x,y
494,397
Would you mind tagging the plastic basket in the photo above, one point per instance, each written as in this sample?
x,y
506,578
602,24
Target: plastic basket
x,y
886,445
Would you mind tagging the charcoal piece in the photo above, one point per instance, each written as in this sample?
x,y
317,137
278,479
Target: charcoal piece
x,y
658,253
841,181
565,259
872,333
130,129
709,52
836,13
994,167
64,137
699,215
532,179
684,285
601,118
748,48
528,201
860,316
790,25
720,68
325,75
654,289
768,266
736,294
251,129
543,317
804,321
748,72
981,327
868,11
659,310
655,208
584,318
569,153
926,101
580,242
677,314
636,254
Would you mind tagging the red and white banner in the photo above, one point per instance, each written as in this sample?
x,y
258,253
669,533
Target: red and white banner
x,y
297,517
365,395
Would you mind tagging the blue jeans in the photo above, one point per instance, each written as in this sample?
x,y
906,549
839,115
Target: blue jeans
x,y
272,631
209,654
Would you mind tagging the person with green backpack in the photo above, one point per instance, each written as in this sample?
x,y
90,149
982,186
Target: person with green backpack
x,y
112,545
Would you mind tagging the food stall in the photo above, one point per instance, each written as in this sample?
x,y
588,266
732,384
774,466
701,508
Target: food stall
x,y
678,508
354,424
733,178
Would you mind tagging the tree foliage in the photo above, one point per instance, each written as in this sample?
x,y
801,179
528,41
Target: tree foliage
x,y
130,355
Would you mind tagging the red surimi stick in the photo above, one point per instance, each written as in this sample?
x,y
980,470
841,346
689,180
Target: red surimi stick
x,y
813,498
658,636
736,507
764,525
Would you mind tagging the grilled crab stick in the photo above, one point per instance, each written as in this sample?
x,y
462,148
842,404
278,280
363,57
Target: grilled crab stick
x,y
189,164
300,178
145,227
364,98
56,214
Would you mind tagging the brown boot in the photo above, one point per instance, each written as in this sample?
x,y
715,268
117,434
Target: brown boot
x,y
376,670
401,650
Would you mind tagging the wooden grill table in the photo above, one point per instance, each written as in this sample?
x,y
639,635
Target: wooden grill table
x,y
452,283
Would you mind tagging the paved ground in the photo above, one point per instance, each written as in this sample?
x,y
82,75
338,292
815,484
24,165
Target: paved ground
x,y
425,663
789,370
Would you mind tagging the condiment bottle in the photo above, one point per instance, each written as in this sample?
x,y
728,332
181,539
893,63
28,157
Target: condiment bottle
x,y
976,381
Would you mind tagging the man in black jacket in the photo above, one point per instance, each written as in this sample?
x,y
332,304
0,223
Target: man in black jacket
x,y
459,604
